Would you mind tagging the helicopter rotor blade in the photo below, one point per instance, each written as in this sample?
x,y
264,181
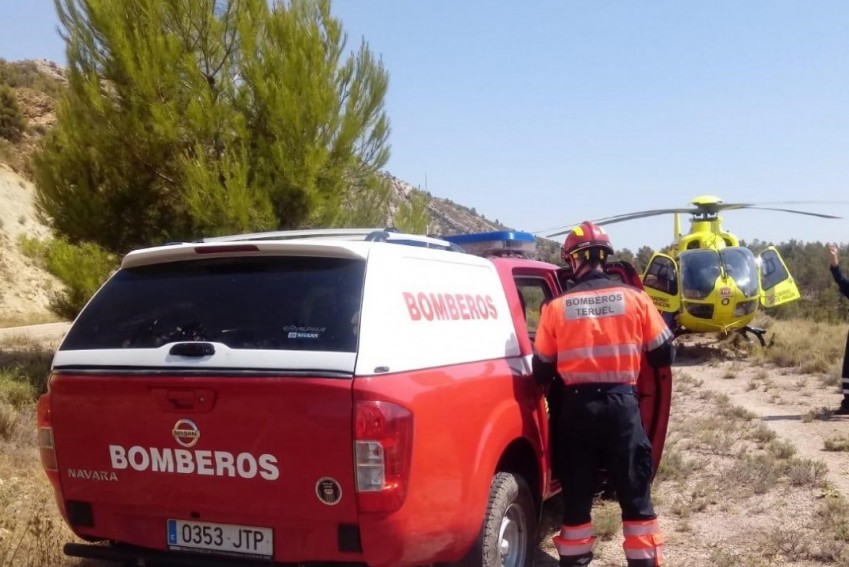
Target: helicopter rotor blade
x,y
802,203
794,211
725,207
640,215
619,218
712,208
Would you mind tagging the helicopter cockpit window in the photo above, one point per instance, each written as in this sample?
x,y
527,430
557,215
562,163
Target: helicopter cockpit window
x,y
772,270
699,270
740,265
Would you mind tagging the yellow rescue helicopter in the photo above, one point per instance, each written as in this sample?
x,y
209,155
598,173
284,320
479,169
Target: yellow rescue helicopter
x,y
709,283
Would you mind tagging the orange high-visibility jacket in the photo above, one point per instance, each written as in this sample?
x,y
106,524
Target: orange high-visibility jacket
x,y
597,333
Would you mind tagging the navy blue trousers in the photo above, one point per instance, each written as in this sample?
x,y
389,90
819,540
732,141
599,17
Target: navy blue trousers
x,y
601,431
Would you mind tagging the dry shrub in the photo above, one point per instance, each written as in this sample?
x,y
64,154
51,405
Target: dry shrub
x,y
830,380
38,543
789,544
804,472
821,414
8,421
674,466
839,443
737,412
762,433
717,434
724,558
835,515
26,361
702,495
16,392
17,398
759,473
781,449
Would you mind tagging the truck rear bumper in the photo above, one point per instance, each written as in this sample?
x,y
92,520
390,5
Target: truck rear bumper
x,y
141,556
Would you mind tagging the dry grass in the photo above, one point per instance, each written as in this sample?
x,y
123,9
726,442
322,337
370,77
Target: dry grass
x,y
24,362
607,520
31,532
808,346
32,319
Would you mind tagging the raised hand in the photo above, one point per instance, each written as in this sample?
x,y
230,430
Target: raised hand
x,y
832,254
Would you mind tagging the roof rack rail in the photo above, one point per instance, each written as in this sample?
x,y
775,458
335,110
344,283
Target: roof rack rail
x,y
341,233
390,235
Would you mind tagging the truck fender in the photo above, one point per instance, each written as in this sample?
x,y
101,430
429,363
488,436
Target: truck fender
x,y
505,426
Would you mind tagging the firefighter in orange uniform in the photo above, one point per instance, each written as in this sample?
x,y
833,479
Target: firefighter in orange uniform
x,y
593,338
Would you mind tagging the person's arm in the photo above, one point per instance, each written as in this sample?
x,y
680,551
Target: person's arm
x,y
544,362
839,278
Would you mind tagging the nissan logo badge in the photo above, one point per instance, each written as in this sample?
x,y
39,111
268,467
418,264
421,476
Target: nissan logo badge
x,y
186,433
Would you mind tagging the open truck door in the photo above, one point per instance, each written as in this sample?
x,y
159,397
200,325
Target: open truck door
x,y
654,385
776,283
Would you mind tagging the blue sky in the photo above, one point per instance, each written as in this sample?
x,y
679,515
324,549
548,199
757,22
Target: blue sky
x,y
546,113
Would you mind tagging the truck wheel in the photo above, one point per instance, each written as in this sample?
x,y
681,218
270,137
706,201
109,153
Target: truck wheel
x,y
509,527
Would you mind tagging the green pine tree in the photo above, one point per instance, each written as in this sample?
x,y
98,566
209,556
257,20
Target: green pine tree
x,y
185,119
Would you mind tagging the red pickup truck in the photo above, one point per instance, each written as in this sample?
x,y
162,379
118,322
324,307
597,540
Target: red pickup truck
x,y
327,397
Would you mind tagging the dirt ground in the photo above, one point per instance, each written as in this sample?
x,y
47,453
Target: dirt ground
x,y
746,480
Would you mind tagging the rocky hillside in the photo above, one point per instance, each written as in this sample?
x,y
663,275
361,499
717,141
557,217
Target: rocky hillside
x,y
26,287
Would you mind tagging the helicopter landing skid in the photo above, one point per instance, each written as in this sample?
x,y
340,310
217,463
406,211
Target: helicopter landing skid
x,y
757,331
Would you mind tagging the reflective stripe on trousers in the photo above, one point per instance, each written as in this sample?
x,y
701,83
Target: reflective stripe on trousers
x,y
574,540
643,542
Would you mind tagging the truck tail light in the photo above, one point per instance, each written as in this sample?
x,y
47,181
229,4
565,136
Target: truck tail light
x,y
46,448
383,443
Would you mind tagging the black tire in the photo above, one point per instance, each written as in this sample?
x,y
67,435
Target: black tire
x,y
510,520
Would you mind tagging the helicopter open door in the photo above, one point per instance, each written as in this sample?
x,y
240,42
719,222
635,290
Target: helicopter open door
x,y
660,281
777,285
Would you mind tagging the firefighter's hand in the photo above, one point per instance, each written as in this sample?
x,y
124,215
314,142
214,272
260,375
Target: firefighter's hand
x,y
832,253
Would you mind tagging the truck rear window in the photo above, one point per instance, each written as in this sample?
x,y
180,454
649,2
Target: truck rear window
x,y
286,303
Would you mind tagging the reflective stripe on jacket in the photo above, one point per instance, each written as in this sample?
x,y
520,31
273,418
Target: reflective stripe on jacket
x,y
597,332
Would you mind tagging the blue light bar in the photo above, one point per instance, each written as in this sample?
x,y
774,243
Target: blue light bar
x,y
499,243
